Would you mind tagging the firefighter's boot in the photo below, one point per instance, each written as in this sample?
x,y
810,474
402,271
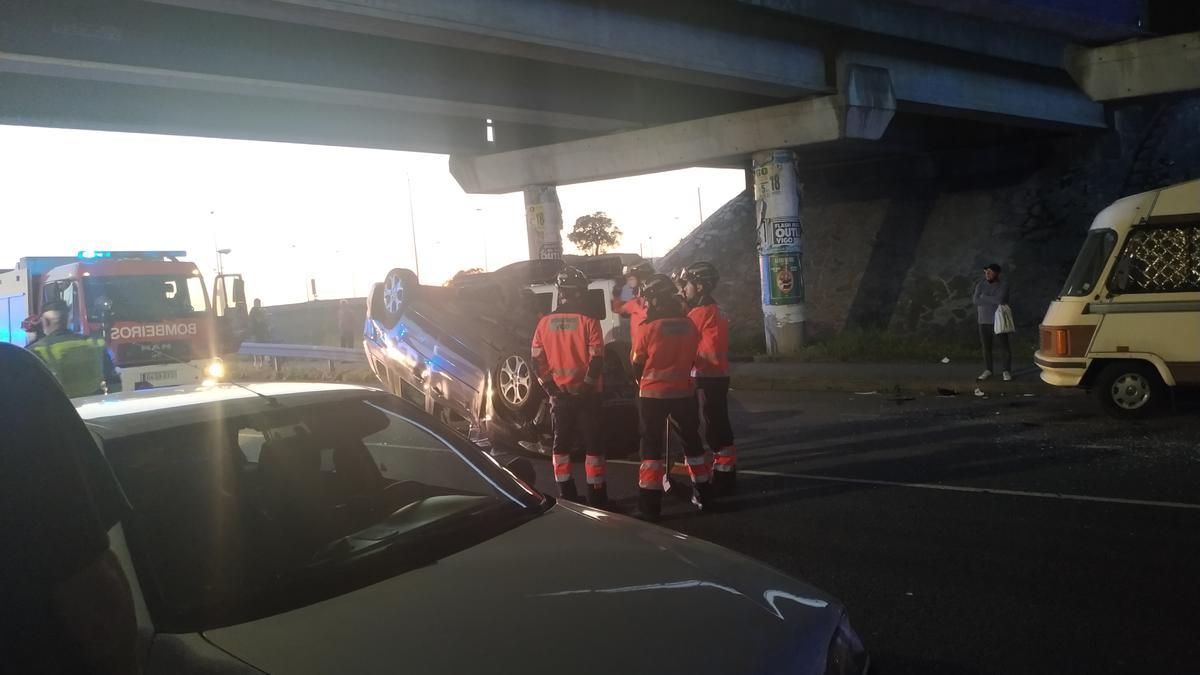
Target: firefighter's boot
x,y
568,491
702,496
724,482
649,505
598,496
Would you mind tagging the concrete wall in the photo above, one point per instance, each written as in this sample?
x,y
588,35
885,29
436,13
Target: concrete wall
x,y
897,245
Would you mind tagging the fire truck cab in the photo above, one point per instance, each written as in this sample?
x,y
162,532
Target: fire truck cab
x,y
151,308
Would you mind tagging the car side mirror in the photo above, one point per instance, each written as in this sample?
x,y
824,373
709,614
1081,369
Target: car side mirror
x,y
523,469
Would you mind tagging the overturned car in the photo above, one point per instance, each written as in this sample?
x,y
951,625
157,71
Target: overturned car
x,y
462,351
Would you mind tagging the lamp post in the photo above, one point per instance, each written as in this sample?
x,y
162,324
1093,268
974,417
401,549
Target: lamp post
x,y
220,264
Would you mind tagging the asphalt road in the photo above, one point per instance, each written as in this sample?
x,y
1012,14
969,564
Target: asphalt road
x,y
973,535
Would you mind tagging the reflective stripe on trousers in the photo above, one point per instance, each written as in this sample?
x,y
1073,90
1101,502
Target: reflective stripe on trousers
x,y
699,468
594,466
650,474
562,467
726,459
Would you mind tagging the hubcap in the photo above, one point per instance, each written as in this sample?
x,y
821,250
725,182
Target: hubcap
x,y
1131,391
393,294
516,380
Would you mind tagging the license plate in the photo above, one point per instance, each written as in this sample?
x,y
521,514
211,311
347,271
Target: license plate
x,y
160,376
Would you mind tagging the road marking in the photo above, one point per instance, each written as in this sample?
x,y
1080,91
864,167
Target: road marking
x,y
961,488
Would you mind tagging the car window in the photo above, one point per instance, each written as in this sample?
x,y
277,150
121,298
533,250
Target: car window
x,y
594,304
225,513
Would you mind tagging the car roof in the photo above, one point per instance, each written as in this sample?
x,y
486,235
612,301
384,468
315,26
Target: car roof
x,y
135,412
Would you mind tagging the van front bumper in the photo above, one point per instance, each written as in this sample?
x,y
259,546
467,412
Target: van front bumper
x,y
1061,371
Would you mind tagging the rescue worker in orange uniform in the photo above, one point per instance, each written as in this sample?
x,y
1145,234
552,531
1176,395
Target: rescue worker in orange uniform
x,y
568,348
635,307
663,357
712,369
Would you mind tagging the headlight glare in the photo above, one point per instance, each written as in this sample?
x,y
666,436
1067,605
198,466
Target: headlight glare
x,y
215,370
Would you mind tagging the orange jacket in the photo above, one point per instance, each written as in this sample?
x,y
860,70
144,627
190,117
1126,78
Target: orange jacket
x,y
712,356
665,351
635,309
564,345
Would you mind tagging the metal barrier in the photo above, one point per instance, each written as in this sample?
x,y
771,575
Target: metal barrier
x,y
275,352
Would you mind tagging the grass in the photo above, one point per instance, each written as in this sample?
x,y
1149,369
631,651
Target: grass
x,y
864,346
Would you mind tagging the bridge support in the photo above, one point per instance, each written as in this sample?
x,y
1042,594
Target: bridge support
x,y
780,248
543,222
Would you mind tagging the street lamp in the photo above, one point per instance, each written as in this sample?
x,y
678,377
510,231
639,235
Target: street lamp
x,y
220,265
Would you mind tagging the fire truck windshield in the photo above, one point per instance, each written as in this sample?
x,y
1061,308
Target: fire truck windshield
x,y
146,298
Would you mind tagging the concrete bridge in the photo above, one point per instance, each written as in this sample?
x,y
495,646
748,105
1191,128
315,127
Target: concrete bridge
x,y
530,94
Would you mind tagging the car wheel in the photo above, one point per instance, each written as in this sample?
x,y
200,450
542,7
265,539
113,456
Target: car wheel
x,y
399,290
1130,390
516,387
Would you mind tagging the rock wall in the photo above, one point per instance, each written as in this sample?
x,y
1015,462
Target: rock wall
x,y
898,245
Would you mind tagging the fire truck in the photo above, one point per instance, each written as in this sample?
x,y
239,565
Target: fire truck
x,y
151,308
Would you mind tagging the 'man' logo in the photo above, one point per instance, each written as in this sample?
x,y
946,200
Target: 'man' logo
x,y
152,330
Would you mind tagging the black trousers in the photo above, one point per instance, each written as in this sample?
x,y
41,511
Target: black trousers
x,y
576,420
713,393
653,416
987,336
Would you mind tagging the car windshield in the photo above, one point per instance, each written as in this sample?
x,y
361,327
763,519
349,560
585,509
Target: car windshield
x,y
248,516
146,297
1090,263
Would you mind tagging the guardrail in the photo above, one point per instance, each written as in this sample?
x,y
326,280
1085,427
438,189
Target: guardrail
x,y
275,352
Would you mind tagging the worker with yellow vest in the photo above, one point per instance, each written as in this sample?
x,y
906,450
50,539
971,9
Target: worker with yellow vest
x,y
82,365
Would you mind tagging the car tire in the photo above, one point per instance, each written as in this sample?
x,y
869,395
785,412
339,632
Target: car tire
x,y
1130,389
397,292
517,389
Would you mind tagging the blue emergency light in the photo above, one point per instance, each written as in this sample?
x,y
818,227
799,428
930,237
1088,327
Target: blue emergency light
x,y
151,255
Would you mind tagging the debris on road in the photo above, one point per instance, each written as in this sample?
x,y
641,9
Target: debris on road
x,y
865,393
979,392
944,392
945,359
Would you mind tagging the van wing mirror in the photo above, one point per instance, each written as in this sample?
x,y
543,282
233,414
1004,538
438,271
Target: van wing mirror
x,y
239,296
1119,281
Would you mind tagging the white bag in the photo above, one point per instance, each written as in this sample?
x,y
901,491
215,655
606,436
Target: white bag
x,y
1003,322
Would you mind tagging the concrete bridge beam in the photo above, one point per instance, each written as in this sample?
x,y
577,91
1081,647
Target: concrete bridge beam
x,y
862,111
1163,65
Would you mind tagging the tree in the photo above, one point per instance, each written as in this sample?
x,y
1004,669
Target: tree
x,y
595,232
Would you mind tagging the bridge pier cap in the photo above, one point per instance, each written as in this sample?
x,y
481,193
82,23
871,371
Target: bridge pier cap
x,y
777,204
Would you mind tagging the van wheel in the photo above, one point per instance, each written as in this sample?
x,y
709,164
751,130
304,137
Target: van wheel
x,y
1130,390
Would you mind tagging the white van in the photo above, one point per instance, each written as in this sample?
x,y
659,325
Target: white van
x,y
1127,322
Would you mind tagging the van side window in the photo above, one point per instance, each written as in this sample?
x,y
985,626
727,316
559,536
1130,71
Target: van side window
x,y
1159,260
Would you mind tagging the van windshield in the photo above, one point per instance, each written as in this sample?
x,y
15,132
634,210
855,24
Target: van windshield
x,y
147,297
1096,249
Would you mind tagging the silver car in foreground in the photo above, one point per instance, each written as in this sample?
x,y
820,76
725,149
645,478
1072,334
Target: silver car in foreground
x,y
316,528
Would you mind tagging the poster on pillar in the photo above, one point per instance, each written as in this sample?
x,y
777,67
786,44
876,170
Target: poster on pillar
x,y
781,280
535,226
784,233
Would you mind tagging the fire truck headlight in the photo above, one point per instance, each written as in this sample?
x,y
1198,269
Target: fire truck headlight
x,y
215,370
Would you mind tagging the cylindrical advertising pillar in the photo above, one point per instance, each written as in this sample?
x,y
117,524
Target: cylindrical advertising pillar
x,y
543,222
780,249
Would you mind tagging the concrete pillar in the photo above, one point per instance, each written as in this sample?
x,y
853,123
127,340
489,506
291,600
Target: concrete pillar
x,y
780,249
543,222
